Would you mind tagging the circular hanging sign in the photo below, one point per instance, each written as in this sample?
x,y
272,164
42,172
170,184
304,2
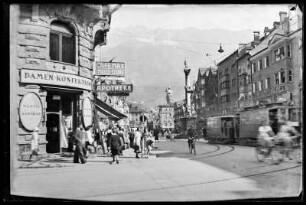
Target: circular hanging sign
x,y
30,111
87,112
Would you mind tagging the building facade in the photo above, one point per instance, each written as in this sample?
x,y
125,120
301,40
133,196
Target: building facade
x,y
276,68
51,71
228,88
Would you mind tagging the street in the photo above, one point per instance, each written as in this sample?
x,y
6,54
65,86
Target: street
x,y
217,172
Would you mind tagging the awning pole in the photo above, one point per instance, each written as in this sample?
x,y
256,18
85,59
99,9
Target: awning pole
x,y
96,121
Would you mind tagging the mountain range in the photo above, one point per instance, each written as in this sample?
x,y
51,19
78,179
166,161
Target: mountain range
x,y
155,57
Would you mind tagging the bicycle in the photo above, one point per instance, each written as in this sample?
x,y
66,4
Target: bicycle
x,y
279,152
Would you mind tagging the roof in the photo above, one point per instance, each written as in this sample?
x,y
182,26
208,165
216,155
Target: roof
x,y
228,56
265,42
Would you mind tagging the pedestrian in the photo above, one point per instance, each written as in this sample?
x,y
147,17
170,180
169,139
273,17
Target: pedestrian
x,y
265,136
143,143
109,133
191,140
79,139
34,143
136,142
115,142
121,135
286,135
70,140
149,143
156,132
131,137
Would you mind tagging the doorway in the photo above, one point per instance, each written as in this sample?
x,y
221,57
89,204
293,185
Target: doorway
x,y
53,134
61,119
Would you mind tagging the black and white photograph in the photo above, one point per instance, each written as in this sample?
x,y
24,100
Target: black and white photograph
x,y
155,102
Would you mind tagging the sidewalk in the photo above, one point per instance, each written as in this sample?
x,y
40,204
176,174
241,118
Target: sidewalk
x,y
66,159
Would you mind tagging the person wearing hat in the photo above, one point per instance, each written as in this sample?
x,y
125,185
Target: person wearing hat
x,y
34,142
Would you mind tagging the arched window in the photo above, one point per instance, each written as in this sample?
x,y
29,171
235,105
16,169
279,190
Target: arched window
x,y
62,43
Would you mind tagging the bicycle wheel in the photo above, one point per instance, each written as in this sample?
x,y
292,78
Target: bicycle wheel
x,y
260,153
277,155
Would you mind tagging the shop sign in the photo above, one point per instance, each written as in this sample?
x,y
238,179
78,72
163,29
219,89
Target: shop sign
x,y
30,111
111,88
110,69
54,78
87,112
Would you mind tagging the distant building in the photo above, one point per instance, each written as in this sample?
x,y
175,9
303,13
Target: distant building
x,y
166,112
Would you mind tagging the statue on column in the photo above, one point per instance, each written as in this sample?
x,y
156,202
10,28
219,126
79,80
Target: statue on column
x,y
168,95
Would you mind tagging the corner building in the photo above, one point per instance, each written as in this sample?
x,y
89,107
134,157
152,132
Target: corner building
x,y
51,71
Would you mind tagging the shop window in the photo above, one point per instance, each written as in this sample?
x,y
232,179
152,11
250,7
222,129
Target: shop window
x,y
62,43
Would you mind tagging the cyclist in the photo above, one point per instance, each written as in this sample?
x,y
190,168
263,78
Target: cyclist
x,y
286,135
265,136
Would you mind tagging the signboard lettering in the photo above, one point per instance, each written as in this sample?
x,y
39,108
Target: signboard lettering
x,y
110,69
54,78
127,88
30,111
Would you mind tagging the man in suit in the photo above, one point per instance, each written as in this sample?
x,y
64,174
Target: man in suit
x,y
79,139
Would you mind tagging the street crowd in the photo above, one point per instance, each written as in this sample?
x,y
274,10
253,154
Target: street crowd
x,y
113,140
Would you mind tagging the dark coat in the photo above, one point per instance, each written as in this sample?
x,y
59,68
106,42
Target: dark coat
x,y
115,144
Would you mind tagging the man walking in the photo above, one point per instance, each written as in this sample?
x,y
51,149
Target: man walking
x,y
79,139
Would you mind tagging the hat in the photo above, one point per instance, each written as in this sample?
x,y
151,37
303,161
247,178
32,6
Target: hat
x,y
36,129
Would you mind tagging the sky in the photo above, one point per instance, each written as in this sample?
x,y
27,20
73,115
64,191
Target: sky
x,y
204,16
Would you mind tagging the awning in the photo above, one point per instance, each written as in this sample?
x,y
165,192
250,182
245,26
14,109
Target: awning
x,y
107,110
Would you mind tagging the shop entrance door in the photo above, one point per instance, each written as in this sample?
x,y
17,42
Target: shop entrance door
x,y
53,134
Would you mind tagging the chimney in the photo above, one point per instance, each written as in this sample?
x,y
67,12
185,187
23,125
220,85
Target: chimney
x,y
242,45
256,35
266,31
276,24
282,16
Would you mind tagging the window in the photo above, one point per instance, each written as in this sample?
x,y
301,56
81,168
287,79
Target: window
x,y
202,92
254,87
233,82
226,71
279,54
62,43
276,76
233,68
259,64
267,82
291,96
259,85
203,104
267,61
290,77
282,77
253,67
202,81
289,51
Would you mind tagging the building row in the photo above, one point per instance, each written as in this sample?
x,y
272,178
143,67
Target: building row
x,y
264,72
